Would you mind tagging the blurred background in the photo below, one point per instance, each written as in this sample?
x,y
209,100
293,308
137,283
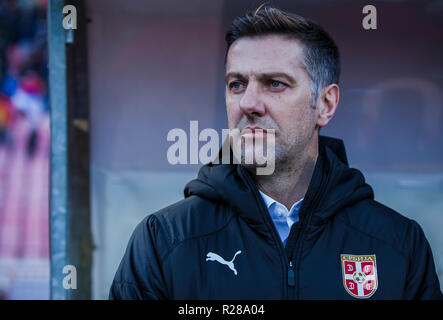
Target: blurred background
x,y
24,151
133,70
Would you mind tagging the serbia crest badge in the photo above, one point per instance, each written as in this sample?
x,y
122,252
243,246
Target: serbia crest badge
x,y
359,275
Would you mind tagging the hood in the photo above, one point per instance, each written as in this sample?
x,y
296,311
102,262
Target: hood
x,y
333,185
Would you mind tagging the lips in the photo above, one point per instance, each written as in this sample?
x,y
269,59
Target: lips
x,y
253,130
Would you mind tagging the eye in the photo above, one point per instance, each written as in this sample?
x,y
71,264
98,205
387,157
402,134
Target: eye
x,y
274,84
236,86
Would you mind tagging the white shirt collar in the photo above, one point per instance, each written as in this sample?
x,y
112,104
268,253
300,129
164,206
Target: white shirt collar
x,y
269,201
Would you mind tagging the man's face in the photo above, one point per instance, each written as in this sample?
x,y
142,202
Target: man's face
x,y
267,87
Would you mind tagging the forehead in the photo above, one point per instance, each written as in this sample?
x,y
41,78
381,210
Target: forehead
x,y
269,53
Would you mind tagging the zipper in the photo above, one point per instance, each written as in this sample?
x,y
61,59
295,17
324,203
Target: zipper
x,y
291,275
288,262
296,253
297,250
290,250
299,234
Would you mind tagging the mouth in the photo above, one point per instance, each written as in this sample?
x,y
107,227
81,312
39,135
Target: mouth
x,y
254,131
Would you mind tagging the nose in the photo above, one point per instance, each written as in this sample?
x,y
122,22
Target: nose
x,y
251,103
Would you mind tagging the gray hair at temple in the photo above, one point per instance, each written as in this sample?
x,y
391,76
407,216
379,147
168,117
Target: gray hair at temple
x,y
321,56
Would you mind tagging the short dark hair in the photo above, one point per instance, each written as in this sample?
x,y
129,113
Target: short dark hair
x,y
321,56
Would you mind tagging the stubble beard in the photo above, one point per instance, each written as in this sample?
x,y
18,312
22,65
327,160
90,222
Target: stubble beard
x,y
289,156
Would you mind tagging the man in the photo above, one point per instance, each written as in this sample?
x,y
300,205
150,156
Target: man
x,y
309,230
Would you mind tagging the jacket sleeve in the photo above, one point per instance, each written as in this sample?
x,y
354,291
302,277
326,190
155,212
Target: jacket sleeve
x,y
422,281
139,275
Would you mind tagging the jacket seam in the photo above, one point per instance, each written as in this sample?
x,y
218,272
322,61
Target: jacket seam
x,y
405,256
195,237
165,234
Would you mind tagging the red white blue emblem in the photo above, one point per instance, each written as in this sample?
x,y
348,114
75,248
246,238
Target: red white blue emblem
x,y
359,275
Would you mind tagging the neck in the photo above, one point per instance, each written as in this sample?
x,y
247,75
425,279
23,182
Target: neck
x,y
290,181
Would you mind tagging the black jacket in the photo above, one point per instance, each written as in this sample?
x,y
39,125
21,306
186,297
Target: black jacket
x,y
220,243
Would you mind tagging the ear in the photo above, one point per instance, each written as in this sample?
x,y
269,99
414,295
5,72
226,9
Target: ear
x,y
327,104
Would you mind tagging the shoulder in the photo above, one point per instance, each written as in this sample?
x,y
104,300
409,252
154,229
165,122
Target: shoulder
x,y
192,217
384,224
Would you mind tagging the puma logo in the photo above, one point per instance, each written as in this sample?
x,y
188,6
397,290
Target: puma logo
x,y
215,257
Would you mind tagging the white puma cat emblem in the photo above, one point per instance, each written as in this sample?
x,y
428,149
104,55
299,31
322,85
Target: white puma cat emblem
x,y
215,257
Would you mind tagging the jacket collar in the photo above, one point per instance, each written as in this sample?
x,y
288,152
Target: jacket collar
x,y
332,186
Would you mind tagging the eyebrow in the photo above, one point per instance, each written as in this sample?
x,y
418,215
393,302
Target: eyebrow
x,y
234,75
261,76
